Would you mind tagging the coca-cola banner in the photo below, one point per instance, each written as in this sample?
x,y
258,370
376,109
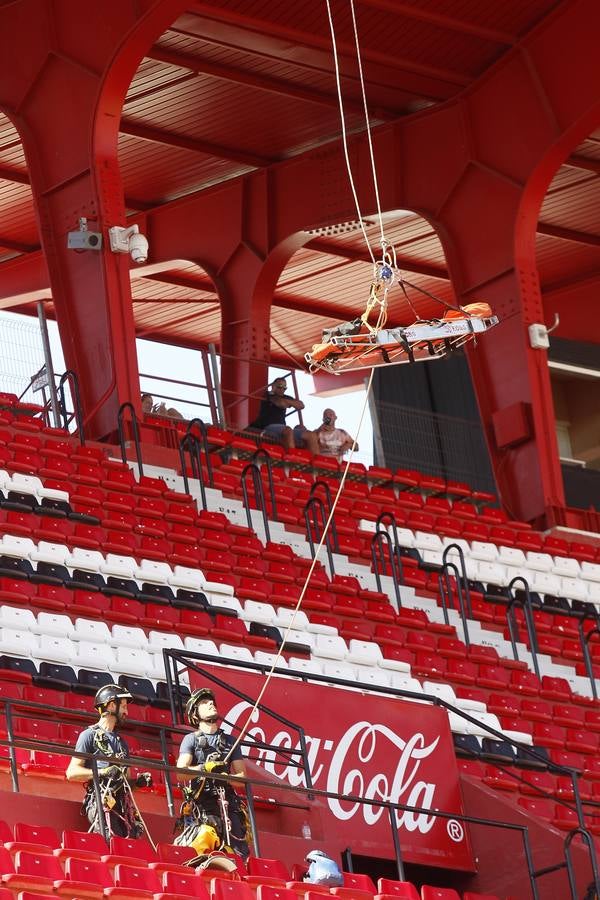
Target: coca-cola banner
x,y
380,748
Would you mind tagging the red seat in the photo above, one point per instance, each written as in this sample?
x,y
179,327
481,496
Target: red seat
x,y
124,850
81,845
436,893
359,881
33,838
260,867
188,885
222,889
34,871
270,892
404,890
132,882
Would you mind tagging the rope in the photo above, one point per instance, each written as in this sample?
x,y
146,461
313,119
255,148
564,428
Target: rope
x,y
344,134
369,139
298,606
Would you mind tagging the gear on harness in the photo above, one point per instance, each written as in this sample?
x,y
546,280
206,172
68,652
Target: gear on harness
x,y
119,811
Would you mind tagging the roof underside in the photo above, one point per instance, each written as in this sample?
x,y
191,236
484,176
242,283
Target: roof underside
x,y
234,85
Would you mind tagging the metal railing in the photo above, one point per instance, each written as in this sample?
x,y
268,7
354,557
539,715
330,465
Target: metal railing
x,y
315,519
136,435
252,470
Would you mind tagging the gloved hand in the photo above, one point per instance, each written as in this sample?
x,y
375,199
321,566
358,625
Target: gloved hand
x,y
110,772
144,780
214,767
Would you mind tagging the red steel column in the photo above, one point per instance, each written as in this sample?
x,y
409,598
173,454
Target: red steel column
x,y
64,72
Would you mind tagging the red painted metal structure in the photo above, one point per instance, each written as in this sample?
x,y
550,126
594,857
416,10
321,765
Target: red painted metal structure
x,y
215,128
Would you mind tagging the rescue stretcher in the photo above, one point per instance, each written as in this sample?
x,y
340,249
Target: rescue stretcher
x,y
358,345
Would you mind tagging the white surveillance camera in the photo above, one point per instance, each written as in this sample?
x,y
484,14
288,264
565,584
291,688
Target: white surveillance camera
x,y
129,240
138,248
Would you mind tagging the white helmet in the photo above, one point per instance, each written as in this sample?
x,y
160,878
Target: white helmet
x,y
314,855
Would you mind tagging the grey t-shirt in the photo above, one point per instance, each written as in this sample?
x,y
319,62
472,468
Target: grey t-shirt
x,y
191,744
87,743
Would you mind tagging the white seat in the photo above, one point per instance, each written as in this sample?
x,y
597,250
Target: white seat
x,y
484,551
335,668
133,662
511,556
93,655
92,630
17,617
254,611
56,648
406,537
200,645
20,547
539,562
50,553
573,588
129,636
25,484
162,640
232,604
394,665
405,683
267,659
318,628
563,565
154,572
491,573
303,638
309,666
593,588
55,624
458,725
119,566
284,617
5,479
187,578
425,540
156,669
590,571
364,653
485,720
443,691
330,646
431,557
85,560
234,651
18,642
545,583
378,677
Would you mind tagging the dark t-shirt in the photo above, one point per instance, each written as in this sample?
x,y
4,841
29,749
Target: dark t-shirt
x,y
190,744
269,413
86,743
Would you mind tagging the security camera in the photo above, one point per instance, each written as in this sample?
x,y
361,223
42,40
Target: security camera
x,y
129,240
138,248
84,239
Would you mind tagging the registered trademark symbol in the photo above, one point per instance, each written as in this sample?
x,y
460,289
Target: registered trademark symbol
x,y
455,830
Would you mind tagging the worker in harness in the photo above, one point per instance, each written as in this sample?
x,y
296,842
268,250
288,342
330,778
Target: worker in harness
x,y
118,806
212,816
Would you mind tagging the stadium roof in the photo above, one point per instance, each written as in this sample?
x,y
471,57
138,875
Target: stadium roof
x,y
233,86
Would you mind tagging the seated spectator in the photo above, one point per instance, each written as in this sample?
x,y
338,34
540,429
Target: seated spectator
x,y
271,419
332,441
158,409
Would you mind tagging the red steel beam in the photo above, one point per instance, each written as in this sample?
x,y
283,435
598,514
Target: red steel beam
x,y
19,176
266,83
420,14
169,138
583,162
349,253
568,234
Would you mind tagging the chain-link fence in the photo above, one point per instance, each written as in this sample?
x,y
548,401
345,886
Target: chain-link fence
x,y
21,356
449,447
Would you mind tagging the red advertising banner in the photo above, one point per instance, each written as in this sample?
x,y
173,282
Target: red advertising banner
x,y
379,748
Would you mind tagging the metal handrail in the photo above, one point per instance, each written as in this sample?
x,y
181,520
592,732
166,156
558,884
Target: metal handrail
x,y
315,505
396,568
71,376
319,483
203,429
446,597
189,442
259,495
584,640
525,604
136,435
259,454
463,569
